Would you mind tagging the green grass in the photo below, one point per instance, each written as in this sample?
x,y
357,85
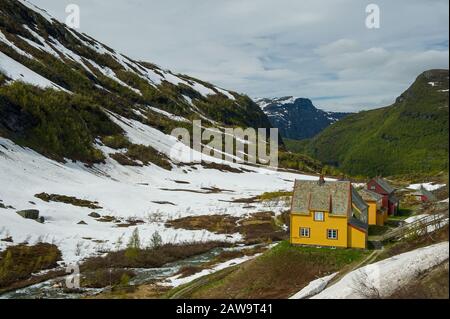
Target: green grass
x,y
278,273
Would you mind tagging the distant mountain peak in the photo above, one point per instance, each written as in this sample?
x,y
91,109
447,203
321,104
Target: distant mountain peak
x,y
297,117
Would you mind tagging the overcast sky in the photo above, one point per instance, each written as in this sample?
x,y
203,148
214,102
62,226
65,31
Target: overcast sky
x,y
320,49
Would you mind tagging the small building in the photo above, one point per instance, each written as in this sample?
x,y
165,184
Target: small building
x,y
380,186
424,195
328,213
377,215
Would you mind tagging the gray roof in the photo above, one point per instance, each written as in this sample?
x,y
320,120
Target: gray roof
x,y
368,195
358,201
425,192
358,223
331,196
361,205
384,184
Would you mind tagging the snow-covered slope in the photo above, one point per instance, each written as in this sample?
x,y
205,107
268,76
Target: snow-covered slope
x,y
383,278
37,49
103,95
124,192
18,72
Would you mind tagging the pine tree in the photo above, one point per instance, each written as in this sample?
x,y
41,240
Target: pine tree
x,y
156,240
134,245
135,241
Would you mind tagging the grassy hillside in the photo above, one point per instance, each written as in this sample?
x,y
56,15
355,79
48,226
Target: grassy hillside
x,y
410,136
278,273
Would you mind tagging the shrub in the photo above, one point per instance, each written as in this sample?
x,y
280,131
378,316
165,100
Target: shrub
x,y
19,262
150,257
116,142
56,124
147,154
67,200
156,240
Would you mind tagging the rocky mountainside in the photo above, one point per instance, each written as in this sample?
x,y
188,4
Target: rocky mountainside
x,y
56,84
297,118
410,136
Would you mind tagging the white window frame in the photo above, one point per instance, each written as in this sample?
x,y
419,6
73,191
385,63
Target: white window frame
x,y
305,232
319,219
333,233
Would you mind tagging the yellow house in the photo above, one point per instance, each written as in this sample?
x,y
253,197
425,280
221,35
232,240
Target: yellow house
x,y
377,214
328,213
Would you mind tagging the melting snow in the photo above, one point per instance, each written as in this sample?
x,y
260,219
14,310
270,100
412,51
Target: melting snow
x,y
12,45
428,186
38,10
314,287
124,192
386,276
19,72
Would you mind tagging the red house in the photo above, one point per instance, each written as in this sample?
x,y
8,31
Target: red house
x,y
382,187
424,195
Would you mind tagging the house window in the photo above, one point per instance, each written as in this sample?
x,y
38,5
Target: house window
x,y
304,232
373,187
318,216
332,234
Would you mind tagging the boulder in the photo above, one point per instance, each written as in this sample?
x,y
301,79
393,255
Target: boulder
x,y
29,213
82,223
94,215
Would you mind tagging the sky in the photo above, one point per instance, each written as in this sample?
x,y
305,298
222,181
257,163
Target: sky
x,y
318,49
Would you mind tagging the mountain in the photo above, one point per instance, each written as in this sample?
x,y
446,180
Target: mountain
x,y
409,136
57,83
297,118
85,144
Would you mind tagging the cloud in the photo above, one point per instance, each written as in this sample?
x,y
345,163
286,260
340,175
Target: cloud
x,y
320,50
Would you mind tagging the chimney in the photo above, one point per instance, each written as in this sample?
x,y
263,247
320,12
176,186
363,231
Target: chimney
x,y
321,180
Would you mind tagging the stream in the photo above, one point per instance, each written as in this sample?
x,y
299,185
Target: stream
x,y
49,289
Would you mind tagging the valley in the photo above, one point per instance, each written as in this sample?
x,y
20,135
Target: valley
x,y
99,199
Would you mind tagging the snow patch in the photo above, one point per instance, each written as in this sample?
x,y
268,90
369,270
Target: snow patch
x,y
386,276
18,72
428,186
314,287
